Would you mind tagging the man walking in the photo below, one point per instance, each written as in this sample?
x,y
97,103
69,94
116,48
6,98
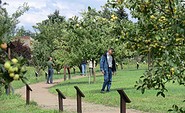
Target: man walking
x,y
107,67
50,65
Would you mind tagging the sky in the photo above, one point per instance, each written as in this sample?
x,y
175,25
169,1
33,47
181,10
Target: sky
x,y
40,9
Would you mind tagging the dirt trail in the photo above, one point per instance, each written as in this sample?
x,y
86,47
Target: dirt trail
x,y
45,99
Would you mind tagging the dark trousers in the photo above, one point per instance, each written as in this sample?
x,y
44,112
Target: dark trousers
x,y
107,79
50,76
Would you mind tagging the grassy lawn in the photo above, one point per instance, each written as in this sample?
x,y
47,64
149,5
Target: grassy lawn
x,y
33,79
125,79
15,104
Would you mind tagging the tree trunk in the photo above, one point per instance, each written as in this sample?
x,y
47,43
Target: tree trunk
x,y
7,88
80,68
149,60
93,71
121,66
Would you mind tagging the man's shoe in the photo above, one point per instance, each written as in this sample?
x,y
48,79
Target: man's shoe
x,y
102,91
107,91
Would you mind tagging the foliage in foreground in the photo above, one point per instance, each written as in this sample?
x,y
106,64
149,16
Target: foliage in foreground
x,y
159,33
10,68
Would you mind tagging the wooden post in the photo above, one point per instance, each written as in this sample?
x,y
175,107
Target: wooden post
x,y
123,100
149,59
36,74
9,57
65,73
69,73
79,100
7,88
60,100
9,53
94,75
28,89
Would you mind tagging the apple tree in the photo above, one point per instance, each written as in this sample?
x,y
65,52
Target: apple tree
x,y
10,68
49,35
159,34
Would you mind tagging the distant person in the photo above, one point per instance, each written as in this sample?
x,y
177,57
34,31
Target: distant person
x,y
50,65
83,65
107,67
91,67
137,65
66,67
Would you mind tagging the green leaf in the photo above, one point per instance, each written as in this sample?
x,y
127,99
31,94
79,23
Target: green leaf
x,y
175,107
170,110
163,95
138,87
25,80
158,93
143,90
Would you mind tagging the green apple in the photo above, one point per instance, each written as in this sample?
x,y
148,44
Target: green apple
x,y
12,75
7,65
16,69
11,70
152,17
14,60
16,77
172,69
77,25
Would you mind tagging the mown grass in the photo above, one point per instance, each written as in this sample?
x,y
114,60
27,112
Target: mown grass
x,y
15,104
33,79
125,79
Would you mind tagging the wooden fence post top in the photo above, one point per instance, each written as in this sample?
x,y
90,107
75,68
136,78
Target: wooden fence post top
x,y
36,74
123,95
60,93
28,87
79,91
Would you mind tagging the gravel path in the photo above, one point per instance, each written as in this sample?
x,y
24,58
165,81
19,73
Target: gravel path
x,y
45,99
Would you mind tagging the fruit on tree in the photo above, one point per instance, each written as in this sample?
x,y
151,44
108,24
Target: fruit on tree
x,y
12,75
152,17
3,45
16,77
77,25
172,70
120,1
15,69
7,65
14,60
11,70
113,17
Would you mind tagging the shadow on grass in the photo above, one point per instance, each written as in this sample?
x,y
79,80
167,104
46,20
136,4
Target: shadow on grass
x,y
112,90
132,69
72,83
